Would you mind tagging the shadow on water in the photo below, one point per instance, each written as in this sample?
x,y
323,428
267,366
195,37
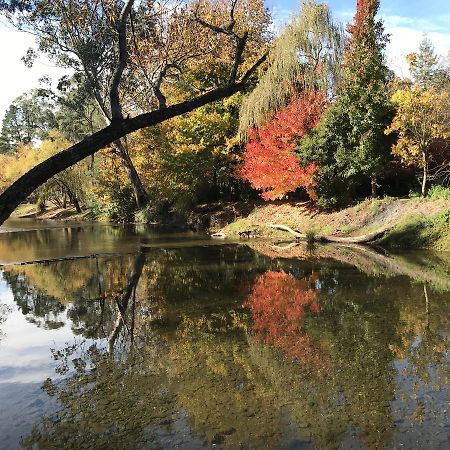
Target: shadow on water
x,y
241,348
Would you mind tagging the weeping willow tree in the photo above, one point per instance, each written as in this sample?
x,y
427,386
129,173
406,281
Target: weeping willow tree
x,y
305,56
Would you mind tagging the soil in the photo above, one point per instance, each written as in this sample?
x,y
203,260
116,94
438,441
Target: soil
x,y
362,218
28,211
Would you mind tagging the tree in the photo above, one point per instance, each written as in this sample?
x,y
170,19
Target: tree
x,y
270,163
424,65
77,114
305,57
362,110
47,16
68,186
30,117
422,118
349,145
199,159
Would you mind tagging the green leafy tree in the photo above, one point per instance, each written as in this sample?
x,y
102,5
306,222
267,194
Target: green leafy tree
x,y
349,145
30,117
424,65
77,114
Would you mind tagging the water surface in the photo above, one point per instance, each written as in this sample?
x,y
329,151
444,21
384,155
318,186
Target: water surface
x,y
144,340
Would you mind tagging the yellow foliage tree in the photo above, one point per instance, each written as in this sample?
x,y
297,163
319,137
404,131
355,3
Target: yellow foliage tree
x,y
422,118
68,185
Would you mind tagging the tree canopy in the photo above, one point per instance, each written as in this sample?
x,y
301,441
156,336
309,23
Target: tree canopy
x,y
197,101
96,37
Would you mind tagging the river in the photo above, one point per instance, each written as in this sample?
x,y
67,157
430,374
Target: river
x,y
122,337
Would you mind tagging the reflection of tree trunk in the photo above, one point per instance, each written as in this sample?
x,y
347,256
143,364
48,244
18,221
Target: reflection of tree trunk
x,y
122,303
140,194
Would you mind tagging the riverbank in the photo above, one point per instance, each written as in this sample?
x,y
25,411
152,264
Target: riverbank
x,y
29,211
408,223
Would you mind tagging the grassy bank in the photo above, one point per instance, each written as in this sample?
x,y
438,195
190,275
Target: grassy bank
x,y
413,223
419,232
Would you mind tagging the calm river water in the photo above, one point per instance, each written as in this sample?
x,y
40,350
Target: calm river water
x,y
145,340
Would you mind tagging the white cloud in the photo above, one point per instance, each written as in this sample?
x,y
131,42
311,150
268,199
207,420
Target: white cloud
x,y
406,34
281,17
15,78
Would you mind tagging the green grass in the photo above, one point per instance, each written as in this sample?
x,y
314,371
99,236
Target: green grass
x,y
419,232
439,193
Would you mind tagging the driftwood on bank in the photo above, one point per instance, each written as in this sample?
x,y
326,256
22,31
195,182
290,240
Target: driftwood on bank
x,y
363,239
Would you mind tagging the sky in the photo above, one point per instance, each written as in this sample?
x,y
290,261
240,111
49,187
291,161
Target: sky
x,y
405,20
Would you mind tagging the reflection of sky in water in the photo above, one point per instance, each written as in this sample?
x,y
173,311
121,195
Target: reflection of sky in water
x,y
25,352
25,361
368,314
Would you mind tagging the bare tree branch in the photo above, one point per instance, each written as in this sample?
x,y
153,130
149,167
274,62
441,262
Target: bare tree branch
x,y
240,47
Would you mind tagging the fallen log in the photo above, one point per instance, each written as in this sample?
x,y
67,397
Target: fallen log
x,y
219,235
363,239
61,259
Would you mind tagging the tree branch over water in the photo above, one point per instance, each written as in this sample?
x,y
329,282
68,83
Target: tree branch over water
x,y
30,17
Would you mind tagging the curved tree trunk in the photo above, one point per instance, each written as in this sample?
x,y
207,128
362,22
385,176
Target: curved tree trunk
x,y
139,191
38,175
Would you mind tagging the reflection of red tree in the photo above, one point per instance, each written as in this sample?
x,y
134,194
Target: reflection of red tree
x,y
278,303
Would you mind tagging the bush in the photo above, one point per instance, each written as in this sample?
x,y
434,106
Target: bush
x,y
439,192
121,207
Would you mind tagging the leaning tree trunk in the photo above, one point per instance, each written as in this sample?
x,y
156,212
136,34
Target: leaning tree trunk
x,y
75,203
139,191
425,174
11,198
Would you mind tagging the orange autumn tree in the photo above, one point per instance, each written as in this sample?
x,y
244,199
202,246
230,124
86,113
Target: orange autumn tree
x,y
270,163
278,303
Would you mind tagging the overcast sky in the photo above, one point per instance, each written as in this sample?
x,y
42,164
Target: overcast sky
x,y
405,20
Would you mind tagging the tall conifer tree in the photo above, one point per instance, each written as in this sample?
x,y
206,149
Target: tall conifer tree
x,y
349,145
363,109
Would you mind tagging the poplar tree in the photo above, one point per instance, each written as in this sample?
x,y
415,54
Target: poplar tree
x,y
363,109
349,145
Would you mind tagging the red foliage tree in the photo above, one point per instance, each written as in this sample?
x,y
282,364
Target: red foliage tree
x,y
278,303
270,164
365,12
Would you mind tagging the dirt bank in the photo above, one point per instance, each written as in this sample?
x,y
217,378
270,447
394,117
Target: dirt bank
x,y
29,211
418,223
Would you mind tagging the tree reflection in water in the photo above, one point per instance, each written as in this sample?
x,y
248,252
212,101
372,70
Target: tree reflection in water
x,y
5,310
278,303
176,360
